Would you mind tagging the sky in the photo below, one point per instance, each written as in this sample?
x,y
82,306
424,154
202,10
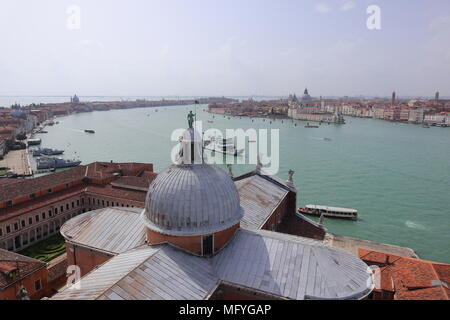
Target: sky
x,y
224,47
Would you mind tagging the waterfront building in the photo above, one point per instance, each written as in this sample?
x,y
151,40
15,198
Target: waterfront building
x,y
197,238
34,209
309,109
439,118
416,115
404,114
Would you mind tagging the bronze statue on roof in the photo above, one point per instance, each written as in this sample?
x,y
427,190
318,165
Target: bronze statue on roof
x,y
190,118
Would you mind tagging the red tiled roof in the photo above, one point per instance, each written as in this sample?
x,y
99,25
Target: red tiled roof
x,y
104,170
99,170
118,193
35,204
8,263
141,182
410,278
28,186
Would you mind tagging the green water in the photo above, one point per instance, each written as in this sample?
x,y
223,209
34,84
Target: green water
x,y
396,175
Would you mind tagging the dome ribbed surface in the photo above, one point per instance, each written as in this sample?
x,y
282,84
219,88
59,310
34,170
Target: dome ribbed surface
x,y
192,200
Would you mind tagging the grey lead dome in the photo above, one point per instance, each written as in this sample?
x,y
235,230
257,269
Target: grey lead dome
x,y
192,199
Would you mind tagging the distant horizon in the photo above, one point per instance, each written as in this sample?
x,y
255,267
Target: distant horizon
x,y
215,96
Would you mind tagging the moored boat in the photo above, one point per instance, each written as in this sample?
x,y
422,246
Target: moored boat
x,y
329,212
47,152
89,131
56,163
34,142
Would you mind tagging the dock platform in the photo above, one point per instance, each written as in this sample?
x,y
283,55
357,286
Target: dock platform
x,y
353,244
18,161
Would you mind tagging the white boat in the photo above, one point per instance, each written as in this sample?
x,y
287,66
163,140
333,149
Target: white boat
x,y
224,146
330,212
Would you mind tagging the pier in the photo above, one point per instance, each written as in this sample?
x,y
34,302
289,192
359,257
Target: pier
x,y
18,161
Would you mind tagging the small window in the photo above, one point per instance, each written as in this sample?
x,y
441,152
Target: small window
x,y
107,203
36,218
32,196
50,191
73,205
207,245
8,229
38,285
30,221
16,226
67,206
50,213
61,209
9,203
56,211
67,185
23,223
78,203
1,231
103,203
43,215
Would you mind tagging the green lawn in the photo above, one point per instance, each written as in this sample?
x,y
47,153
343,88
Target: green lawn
x,y
3,171
47,249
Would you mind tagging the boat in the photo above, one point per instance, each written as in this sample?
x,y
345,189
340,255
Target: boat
x,y
327,139
224,146
89,131
426,126
210,121
56,163
34,142
329,212
310,126
47,152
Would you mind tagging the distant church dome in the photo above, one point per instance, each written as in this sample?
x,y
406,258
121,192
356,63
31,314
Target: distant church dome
x,y
17,113
306,95
192,197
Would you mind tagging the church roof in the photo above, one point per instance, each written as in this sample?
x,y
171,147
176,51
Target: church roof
x,y
282,265
259,198
111,230
192,199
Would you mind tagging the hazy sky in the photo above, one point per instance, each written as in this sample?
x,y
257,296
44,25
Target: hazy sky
x,y
224,47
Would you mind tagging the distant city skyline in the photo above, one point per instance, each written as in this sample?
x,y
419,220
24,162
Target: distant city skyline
x,y
224,48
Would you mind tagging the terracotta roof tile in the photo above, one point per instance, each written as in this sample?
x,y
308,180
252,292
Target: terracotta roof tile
x,y
8,263
412,279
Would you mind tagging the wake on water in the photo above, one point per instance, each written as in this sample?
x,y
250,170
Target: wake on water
x,y
414,225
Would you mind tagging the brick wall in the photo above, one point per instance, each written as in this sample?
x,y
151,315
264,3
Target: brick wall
x,y
192,244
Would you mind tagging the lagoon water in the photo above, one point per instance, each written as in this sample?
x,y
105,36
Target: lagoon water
x,y
396,175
